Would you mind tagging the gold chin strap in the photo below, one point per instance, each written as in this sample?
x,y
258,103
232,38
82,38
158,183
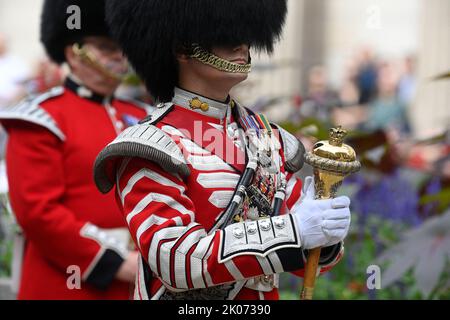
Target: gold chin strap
x,y
218,63
89,58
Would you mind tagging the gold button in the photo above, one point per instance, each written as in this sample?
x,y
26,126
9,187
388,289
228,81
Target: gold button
x,y
197,104
204,107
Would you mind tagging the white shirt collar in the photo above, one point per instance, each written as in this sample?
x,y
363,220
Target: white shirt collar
x,y
212,108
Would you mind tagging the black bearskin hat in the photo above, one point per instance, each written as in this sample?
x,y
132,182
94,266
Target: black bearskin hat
x,y
150,32
55,33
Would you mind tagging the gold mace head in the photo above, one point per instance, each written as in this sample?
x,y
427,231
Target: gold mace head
x,y
332,161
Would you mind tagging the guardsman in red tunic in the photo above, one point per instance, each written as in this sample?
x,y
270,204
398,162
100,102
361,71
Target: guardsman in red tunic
x,y
207,187
77,244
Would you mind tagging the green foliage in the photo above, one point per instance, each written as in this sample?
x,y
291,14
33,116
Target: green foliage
x,y
6,250
6,241
366,241
442,291
442,199
347,280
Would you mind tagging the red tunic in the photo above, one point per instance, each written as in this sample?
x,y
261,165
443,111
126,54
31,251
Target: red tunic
x,y
170,217
53,142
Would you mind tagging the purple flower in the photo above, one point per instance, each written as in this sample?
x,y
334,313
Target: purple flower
x,y
389,196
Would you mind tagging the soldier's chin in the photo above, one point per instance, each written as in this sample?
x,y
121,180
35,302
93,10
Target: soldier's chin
x,y
238,77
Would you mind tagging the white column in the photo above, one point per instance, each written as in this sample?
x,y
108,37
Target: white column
x,y
431,111
280,74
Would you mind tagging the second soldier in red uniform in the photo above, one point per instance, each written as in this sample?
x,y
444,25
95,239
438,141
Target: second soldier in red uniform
x,y
71,229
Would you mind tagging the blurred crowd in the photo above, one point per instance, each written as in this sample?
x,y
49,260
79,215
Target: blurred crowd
x,y
374,101
374,94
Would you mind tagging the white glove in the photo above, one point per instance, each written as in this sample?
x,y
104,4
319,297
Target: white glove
x,y
321,223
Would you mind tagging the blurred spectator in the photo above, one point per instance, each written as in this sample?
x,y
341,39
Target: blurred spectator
x,y
408,83
366,76
12,74
351,114
348,94
387,111
321,99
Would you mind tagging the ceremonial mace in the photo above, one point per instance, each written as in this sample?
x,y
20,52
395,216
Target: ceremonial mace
x,y
332,161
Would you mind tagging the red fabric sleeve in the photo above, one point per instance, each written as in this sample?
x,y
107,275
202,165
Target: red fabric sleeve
x,y
162,222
